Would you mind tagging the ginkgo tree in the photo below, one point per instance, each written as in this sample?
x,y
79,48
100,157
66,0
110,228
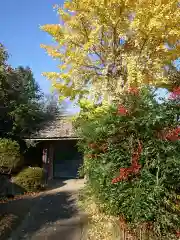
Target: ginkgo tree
x,y
104,46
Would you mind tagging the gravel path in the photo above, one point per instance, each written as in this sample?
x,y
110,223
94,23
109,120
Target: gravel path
x,y
55,215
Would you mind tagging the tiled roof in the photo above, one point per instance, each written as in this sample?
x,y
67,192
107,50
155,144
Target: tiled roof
x,y
59,128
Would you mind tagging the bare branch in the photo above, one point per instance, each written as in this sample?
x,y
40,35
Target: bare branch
x,y
99,55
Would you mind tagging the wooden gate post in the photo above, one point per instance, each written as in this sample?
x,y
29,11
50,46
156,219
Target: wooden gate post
x,y
50,160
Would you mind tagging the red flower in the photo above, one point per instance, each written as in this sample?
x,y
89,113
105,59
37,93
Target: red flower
x,y
133,90
175,93
124,173
115,180
136,168
122,110
178,234
92,145
172,135
133,169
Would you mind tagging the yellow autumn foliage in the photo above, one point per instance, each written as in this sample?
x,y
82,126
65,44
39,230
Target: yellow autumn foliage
x,y
106,45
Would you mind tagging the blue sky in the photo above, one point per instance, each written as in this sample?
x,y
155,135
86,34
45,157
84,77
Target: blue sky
x,y
20,33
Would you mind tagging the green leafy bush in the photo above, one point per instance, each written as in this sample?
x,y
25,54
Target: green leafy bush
x,y
132,159
10,157
30,179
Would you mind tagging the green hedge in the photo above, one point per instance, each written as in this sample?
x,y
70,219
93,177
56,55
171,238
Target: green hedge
x,y
139,184
10,157
30,179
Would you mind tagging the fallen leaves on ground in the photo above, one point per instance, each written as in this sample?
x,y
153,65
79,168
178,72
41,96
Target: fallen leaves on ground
x,y
6,221
101,226
18,197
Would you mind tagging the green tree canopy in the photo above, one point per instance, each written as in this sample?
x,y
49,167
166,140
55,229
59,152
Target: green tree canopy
x,y
22,104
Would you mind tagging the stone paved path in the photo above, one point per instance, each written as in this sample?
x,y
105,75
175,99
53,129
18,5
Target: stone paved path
x,y
54,215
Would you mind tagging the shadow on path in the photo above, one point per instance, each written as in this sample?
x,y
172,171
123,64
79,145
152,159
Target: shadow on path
x,y
54,216
13,212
